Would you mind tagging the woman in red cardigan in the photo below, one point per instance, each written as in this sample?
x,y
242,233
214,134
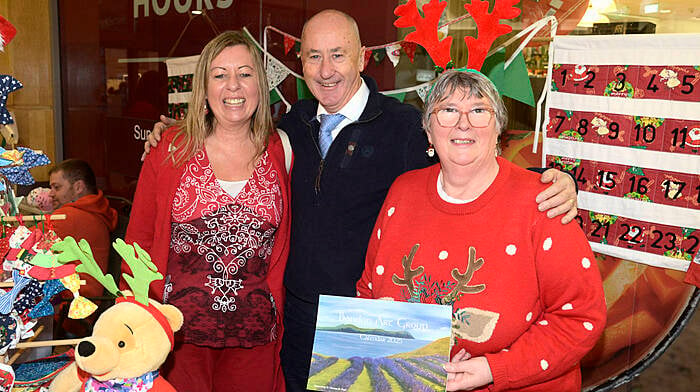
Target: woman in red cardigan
x,y
526,293
211,207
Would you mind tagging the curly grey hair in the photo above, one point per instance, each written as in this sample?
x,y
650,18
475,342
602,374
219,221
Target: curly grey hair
x,y
472,84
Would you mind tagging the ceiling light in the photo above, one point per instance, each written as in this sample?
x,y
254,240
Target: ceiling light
x,y
651,8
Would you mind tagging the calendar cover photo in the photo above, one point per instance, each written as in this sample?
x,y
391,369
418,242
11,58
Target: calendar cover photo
x,y
376,345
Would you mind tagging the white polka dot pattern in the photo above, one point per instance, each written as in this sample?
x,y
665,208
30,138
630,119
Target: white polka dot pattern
x,y
380,270
544,322
442,255
567,307
586,263
544,364
511,249
379,234
547,245
528,317
390,212
588,325
369,285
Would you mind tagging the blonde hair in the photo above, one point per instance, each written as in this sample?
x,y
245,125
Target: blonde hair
x,y
199,121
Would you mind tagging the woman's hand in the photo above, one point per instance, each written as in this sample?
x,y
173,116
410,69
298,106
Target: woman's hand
x,y
467,373
154,136
560,197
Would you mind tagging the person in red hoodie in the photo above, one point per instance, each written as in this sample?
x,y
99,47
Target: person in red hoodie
x,y
88,214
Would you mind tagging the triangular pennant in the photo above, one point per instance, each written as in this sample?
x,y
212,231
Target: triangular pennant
x,y
378,55
297,48
288,43
409,48
423,91
274,97
368,54
493,68
303,91
516,82
399,96
276,72
393,52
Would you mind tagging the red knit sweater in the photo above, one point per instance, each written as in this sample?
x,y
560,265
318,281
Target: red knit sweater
x,y
529,295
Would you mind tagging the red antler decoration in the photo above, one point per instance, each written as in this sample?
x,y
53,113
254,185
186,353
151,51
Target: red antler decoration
x,y
426,34
488,27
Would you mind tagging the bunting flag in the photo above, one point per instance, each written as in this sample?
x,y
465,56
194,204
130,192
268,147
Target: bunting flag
x,y
410,49
393,53
378,55
368,55
620,117
276,72
288,43
303,91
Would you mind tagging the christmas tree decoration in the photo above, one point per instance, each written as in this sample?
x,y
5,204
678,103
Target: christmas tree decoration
x,y
7,33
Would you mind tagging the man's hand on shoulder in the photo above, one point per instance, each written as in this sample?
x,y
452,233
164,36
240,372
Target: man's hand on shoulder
x,y
560,197
155,135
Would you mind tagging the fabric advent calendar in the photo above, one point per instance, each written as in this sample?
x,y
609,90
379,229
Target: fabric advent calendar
x,y
623,117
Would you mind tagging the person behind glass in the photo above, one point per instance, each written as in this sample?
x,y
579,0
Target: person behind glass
x,y
525,290
211,207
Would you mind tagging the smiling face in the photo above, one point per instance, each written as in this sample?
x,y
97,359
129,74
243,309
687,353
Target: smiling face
x,y
331,56
62,191
462,144
232,88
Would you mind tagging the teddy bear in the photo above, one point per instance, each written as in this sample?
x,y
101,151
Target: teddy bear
x,y
131,339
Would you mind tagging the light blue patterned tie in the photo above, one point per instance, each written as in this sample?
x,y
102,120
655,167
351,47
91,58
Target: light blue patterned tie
x,y
328,123
8,298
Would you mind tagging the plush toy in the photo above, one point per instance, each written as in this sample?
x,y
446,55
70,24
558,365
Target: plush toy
x,y
41,199
131,339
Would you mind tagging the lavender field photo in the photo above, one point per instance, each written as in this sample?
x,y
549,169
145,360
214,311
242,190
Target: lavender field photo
x,y
373,345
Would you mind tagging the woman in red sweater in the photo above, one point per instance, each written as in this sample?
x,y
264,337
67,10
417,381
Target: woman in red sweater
x,y
211,207
525,290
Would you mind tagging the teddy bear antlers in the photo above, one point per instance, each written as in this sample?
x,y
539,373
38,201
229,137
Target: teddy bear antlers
x,y
143,270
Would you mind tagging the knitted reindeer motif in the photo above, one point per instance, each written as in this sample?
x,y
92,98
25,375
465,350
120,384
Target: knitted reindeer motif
x,y
462,286
408,272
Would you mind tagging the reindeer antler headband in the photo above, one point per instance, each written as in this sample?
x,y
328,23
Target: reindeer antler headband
x,y
488,26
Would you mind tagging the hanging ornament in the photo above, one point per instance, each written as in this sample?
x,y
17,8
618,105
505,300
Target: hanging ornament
x,y
409,48
393,52
288,43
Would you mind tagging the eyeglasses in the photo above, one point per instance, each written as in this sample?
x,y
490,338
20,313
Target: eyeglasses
x,y
477,117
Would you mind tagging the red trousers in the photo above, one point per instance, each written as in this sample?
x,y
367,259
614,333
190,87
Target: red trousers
x,y
193,368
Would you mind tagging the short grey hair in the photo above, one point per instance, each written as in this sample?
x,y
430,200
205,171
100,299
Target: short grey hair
x,y
472,84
